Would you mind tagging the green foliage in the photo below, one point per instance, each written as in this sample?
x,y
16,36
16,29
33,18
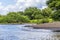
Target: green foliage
x,y
32,12
47,12
33,21
51,20
36,21
30,15
38,16
54,4
56,15
44,20
14,17
34,15
22,18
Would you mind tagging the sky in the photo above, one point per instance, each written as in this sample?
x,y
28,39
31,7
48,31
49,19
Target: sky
x,y
20,5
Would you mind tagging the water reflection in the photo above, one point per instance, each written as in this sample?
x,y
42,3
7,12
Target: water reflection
x,y
18,32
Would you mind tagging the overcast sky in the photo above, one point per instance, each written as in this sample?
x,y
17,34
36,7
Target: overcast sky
x,y
19,5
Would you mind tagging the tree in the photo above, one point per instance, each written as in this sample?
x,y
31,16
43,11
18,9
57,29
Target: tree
x,y
47,12
16,17
37,14
20,12
54,4
56,15
31,12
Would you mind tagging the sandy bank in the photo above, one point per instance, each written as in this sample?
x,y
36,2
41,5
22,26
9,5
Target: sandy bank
x,y
54,26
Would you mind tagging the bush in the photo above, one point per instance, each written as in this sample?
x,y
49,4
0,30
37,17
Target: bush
x,y
47,20
39,21
24,19
33,21
50,20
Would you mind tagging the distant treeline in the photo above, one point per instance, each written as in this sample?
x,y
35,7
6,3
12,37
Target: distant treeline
x,y
34,14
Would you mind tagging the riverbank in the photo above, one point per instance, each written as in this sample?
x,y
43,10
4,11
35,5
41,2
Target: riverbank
x,y
44,25
54,25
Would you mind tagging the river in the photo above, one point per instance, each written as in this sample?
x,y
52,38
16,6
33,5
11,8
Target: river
x,y
19,32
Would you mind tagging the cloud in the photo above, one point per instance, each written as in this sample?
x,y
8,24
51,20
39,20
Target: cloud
x,y
20,5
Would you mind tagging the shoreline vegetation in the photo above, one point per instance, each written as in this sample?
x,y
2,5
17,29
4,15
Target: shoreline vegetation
x,y
31,15
34,15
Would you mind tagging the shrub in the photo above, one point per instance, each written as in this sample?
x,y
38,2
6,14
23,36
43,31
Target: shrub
x,y
33,21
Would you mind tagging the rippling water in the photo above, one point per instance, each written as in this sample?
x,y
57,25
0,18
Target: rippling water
x,y
19,32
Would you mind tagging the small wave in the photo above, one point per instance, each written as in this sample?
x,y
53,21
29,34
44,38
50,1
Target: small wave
x,y
34,30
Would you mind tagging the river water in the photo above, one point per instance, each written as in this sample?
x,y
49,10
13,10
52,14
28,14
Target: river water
x,y
19,32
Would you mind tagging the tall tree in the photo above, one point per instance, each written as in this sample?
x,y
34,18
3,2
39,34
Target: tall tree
x,y
56,15
54,4
47,12
16,17
32,12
